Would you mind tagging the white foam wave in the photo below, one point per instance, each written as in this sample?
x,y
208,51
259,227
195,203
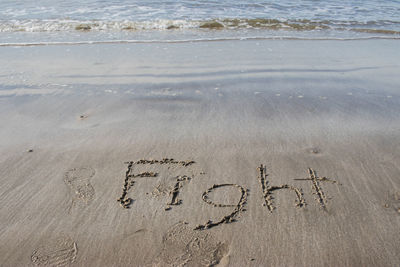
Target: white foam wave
x,y
165,24
73,25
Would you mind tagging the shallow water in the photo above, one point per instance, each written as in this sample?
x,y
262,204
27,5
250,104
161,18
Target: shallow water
x,y
119,10
90,20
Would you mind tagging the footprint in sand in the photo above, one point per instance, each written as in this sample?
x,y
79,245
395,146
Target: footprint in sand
x,y
58,252
182,245
78,180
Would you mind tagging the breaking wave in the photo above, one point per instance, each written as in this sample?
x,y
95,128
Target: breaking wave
x,y
384,27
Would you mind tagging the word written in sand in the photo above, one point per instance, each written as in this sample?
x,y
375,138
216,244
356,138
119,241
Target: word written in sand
x,y
130,179
267,190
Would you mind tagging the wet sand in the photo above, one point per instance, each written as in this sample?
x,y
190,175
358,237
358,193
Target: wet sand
x,y
238,153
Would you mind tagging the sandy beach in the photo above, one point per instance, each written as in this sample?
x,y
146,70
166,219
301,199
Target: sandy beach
x,y
226,153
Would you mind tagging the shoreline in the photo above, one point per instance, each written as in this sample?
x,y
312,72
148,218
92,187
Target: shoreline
x,y
215,39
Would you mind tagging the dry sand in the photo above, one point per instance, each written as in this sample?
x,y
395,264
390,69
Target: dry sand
x,y
151,154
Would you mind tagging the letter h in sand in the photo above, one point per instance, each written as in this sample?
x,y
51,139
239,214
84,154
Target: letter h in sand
x,y
269,190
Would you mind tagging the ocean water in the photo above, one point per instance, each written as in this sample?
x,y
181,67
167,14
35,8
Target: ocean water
x,y
73,21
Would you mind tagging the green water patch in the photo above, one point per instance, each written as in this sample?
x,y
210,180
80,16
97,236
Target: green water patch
x,y
83,27
212,25
172,27
381,31
128,28
275,24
